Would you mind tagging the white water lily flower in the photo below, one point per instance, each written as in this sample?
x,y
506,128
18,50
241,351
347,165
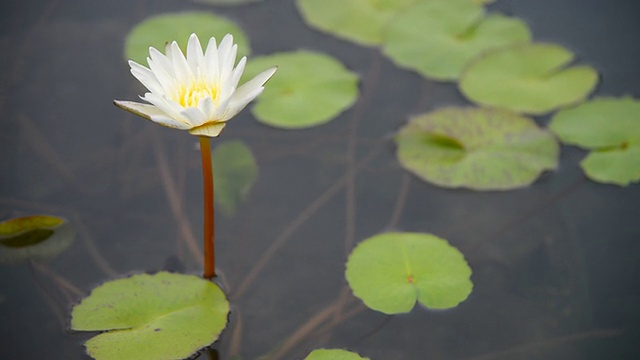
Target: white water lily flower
x,y
198,92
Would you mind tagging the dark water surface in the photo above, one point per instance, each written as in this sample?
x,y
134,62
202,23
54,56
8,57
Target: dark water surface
x,y
556,266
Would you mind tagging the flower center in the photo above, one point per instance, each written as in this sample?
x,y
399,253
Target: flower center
x,y
190,95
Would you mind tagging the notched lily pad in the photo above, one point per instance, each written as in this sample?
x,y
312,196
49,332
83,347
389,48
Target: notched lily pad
x,y
359,21
309,89
529,78
390,272
38,237
610,127
476,148
159,30
439,38
334,354
235,172
161,316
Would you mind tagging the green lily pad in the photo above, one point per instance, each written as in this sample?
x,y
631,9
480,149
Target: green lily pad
x,y
159,30
309,89
161,316
529,78
476,148
439,38
40,237
390,272
235,171
611,128
359,21
334,354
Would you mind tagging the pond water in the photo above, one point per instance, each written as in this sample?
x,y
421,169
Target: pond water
x,y
556,266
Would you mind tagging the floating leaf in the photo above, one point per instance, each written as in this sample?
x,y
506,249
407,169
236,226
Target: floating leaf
x,y
611,128
390,272
438,38
360,21
529,78
334,354
309,89
161,316
33,237
159,30
235,172
480,149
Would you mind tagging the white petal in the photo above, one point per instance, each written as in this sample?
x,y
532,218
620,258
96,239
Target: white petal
x,y
249,88
160,61
150,112
145,76
237,73
195,116
210,130
206,106
221,110
224,53
180,65
194,54
211,62
166,105
236,104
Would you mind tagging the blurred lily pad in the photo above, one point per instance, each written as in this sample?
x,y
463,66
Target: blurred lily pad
x,y
476,148
159,30
529,78
309,89
439,38
390,272
334,354
359,21
235,172
161,316
38,237
611,128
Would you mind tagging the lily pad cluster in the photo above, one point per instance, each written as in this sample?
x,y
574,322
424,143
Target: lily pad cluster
x,y
476,148
160,316
391,272
610,129
334,354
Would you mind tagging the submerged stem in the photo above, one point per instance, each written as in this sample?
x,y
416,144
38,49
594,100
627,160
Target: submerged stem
x,y
209,218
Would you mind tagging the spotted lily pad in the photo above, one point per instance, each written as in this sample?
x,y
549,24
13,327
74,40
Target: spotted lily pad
x,y
334,354
235,172
38,237
609,127
390,272
476,148
529,78
309,89
159,30
438,38
161,316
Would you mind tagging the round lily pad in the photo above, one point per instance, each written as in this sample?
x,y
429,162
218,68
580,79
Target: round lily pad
x,y
359,21
439,38
390,272
159,30
334,354
309,89
40,237
161,316
611,128
235,172
476,148
529,78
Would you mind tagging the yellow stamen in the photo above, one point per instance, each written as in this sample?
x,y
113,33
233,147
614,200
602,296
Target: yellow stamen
x,y
190,95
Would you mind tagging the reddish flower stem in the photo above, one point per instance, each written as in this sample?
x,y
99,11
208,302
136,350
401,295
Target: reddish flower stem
x,y
209,215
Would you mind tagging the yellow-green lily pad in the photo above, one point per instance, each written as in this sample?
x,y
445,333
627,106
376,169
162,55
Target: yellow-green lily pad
x,y
390,272
159,30
530,78
334,354
610,127
309,89
39,237
161,316
476,148
235,172
439,38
